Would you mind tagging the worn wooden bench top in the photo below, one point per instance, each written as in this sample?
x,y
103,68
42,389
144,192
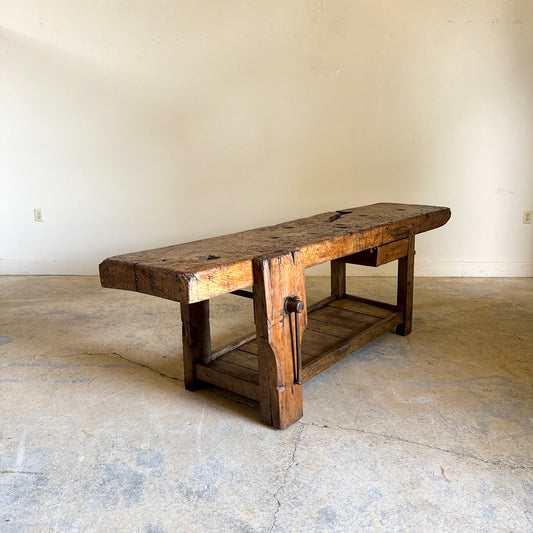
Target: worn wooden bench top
x,y
200,270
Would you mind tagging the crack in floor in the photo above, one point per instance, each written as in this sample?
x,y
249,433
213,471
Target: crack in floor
x,y
285,475
493,462
137,363
148,367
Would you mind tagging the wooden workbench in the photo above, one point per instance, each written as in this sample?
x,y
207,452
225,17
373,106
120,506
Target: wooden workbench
x,y
292,343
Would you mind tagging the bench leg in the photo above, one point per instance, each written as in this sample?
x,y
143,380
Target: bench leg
x,y
338,278
275,279
406,266
196,339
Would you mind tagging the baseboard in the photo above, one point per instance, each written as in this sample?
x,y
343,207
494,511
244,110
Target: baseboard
x,y
455,269
48,267
473,269
448,269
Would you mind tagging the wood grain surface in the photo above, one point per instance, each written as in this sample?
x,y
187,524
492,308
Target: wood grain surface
x,y
199,270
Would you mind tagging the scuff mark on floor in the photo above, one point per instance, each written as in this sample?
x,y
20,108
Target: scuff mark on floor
x,y
5,339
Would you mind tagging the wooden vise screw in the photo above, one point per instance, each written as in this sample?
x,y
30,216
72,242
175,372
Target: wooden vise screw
x,y
295,306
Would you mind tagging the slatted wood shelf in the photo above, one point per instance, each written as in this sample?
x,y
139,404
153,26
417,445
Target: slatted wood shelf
x,y
335,328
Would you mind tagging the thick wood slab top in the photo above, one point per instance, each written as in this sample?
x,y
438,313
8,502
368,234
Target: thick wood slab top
x,y
199,270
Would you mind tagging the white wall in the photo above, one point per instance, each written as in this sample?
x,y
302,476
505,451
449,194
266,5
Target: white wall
x,y
141,124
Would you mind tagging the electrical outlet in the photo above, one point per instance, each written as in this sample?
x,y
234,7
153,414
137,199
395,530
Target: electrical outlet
x,y
528,216
38,214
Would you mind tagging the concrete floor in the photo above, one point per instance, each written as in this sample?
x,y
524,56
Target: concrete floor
x,y
431,432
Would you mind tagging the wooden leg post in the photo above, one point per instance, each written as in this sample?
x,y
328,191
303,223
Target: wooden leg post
x,y
406,267
338,278
196,339
277,278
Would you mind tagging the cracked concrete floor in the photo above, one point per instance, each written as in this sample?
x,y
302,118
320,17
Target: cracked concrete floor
x,y
431,432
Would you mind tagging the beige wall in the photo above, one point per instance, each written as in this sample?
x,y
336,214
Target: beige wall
x,y
139,124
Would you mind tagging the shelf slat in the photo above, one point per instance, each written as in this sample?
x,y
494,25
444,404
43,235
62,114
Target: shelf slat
x,y
231,377
324,361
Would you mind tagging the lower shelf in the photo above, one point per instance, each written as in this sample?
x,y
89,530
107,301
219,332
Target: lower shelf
x,y
335,328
